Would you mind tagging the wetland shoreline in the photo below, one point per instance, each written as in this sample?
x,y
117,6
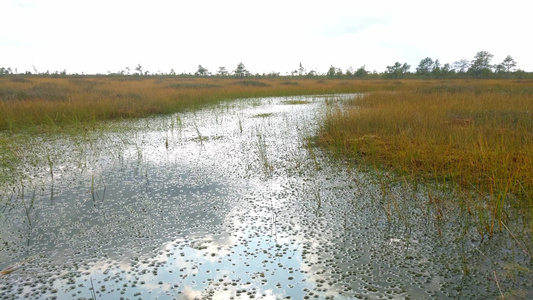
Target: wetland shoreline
x,y
127,209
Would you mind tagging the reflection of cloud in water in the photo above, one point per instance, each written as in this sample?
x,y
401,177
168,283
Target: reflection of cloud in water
x,y
189,293
245,263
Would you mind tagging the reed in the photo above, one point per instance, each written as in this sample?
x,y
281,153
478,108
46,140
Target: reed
x,y
262,152
473,136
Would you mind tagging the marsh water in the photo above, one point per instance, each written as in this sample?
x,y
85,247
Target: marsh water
x,y
234,201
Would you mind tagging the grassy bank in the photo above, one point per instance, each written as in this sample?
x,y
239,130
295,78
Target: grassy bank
x,y
475,136
41,102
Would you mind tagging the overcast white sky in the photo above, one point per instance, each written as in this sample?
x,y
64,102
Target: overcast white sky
x,y
98,36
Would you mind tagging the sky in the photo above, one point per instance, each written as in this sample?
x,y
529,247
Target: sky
x,y
101,36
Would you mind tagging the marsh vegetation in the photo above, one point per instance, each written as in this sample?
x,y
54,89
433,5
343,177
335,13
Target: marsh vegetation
x,y
474,138
47,103
201,187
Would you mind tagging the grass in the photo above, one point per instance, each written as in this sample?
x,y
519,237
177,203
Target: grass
x,y
473,136
295,102
262,151
49,104
263,115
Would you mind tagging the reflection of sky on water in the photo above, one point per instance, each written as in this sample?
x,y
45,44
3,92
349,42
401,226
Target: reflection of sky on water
x,y
184,207
148,188
186,272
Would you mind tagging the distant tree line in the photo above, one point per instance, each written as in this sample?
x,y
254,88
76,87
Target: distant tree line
x,y
479,67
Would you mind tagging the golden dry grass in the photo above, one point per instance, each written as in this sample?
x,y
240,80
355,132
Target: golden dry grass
x,y
474,135
29,102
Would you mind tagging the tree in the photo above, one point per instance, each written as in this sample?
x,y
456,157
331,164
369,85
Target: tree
x,y
5,71
398,70
499,68
331,72
361,72
461,66
311,73
425,67
201,71
481,63
349,71
241,71
437,71
222,71
301,70
139,69
447,70
508,63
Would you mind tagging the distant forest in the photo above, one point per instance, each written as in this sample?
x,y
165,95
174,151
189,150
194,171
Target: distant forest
x,y
481,66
